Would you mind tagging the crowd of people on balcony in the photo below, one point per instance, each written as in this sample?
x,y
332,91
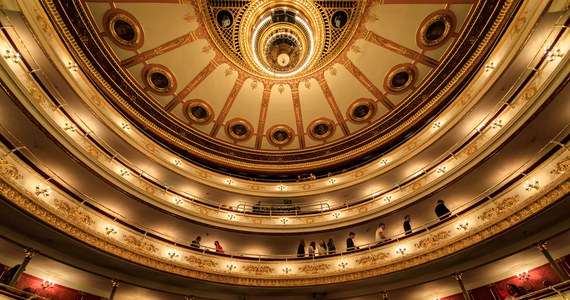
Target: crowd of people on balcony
x,y
323,248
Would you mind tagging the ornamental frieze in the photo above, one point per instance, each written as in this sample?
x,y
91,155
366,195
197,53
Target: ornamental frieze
x,y
139,244
9,170
73,213
258,270
561,167
314,269
373,259
201,263
503,206
433,240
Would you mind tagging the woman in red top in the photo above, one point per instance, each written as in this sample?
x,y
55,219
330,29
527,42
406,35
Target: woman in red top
x,y
219,248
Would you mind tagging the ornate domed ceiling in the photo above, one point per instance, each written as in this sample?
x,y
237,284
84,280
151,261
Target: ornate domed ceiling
x,y
279,88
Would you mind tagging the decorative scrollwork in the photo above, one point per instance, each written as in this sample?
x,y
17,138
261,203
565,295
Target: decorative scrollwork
x,y
315,269
258,270
501,207
562,166
373,259
139,244
9,170
73,213
433,240
200,262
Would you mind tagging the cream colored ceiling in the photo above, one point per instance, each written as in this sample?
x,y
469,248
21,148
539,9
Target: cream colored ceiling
x,y
162,23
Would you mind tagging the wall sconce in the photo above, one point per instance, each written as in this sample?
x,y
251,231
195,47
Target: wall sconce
x,y
125,126
463,225
343,263
388,198
436,125
532,184
286,269
110,230
441,170
489,67
173,254
551,53
284,220
69,126
46,284
497,124
72,66
332,181
231,266
43,190
178,201
523,275
401,251
281,187
13,55
177,162
124,172
231,217
230,181
384,161
336,214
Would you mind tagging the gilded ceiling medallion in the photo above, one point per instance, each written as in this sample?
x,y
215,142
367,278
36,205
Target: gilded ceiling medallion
x,y
361,110
436,29
159,79
198,111
280,135
281,39
400,78
239,129
123,29
321,129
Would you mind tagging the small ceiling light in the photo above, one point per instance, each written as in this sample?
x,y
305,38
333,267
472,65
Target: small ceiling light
x,y
383,161
336,214
72,66
124,172
388,198
47,284
286,269
42,190
177,162
332,181
497,124
463,225
525,275
125,126
110,229
343,263
231,266
436,125
173,254
231,217
13,55
281,187
490,66
230,181
441,170
532,184
284,220
401,251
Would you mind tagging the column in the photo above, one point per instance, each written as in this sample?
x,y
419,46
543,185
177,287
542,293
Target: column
x,y
29,254
459,278
384,295
541,245
115,283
